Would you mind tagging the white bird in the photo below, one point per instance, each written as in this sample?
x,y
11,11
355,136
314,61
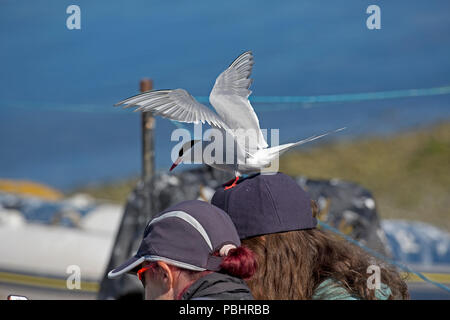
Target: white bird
x,y
229,97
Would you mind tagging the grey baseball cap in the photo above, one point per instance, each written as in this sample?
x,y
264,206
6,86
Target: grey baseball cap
x,y
185,235
266,203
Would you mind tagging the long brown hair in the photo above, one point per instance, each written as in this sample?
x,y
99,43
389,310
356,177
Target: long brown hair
x,y
292,264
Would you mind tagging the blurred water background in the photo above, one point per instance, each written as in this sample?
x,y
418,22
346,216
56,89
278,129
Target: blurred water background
x,y
57,86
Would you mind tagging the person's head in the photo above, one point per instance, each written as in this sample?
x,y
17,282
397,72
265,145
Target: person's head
x,y
184,243
275,218
164,281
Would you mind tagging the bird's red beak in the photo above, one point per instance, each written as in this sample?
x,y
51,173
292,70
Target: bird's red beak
x,y
175,164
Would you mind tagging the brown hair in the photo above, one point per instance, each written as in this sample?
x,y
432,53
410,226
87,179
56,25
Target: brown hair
x,y
292,264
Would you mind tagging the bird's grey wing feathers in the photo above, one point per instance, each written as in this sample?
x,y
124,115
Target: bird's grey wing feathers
x,y
175,104
229,97
235,79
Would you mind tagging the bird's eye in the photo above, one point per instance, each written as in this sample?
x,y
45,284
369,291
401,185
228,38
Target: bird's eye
x,y
180,153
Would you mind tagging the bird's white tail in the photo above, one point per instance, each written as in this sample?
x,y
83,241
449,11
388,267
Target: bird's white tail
x,y
279,150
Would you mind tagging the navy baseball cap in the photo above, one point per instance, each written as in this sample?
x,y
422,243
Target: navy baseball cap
x,y
266,203
185,235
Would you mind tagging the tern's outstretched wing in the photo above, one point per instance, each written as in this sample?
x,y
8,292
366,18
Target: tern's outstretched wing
x,y
176,105
230,99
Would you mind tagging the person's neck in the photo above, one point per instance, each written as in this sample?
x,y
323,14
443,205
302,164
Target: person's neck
x,y
191,282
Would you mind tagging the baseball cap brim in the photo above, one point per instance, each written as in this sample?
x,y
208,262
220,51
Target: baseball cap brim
x,y
125,267
132,265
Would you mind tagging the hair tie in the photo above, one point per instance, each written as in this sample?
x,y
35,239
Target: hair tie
x,y
225,249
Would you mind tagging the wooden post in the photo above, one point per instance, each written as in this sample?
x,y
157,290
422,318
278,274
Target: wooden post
x,y
148,166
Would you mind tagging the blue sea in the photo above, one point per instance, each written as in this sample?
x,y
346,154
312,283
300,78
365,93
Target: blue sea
x,y
57,86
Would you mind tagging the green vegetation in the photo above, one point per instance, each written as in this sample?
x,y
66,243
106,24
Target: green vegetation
x,y
408,174
116,192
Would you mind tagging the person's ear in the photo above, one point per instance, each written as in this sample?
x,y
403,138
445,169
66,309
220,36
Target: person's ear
x,y
167,274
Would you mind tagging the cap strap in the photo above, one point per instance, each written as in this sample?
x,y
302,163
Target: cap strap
x,y
214,263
